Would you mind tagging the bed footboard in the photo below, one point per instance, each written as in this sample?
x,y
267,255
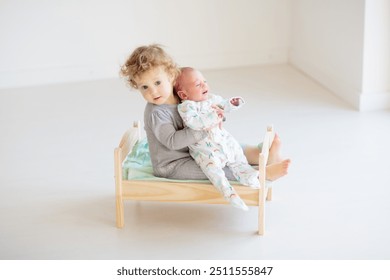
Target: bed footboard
x,y
265,191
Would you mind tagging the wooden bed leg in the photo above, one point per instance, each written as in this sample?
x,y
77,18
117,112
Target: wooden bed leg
x,y
119,213
261,213
262,194
118,188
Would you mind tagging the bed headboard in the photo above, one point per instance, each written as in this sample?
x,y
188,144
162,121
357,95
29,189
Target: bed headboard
x,y
129,139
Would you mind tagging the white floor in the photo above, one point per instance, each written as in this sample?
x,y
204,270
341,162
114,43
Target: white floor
x,y
57,185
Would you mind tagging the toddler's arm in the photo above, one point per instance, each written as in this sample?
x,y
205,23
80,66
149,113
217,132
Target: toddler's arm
x,y
171,138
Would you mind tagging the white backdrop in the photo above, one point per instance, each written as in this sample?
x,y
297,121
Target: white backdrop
x,y
343,44
51,41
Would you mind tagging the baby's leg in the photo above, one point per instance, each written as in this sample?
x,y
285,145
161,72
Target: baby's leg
x,y
217,177
248,176
244,173
238,164
211,160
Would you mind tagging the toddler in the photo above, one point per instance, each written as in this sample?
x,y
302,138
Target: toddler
x,y
151,71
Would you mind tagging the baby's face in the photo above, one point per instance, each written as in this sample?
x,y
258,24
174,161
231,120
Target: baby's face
x,y
194,86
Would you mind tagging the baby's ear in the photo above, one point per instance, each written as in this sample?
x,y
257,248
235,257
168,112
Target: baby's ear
x,y
182,95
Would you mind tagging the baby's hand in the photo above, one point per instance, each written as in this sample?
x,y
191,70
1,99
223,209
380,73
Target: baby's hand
x,y
218,110
220,114
235,101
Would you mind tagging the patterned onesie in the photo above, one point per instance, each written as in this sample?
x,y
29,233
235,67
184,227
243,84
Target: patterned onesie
x,y
219,149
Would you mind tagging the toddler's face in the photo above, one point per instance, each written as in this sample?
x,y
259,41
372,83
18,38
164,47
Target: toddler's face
x,y
194,86
156,86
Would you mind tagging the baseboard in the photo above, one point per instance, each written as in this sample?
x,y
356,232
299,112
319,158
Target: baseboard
x,y
67,74
374,101
340,88
234,59
57,75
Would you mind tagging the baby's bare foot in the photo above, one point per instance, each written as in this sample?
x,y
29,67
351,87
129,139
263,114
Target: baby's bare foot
x,y
274,151
276,170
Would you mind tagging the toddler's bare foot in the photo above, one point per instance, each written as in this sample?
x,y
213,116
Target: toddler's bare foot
x,y
276,170
274,151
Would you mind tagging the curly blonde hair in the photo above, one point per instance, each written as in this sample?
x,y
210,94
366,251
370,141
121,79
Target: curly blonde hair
x,y
145,58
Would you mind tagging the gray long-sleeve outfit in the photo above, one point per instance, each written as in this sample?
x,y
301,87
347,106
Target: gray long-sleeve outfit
x,y
168,143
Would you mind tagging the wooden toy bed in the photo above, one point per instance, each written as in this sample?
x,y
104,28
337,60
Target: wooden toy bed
x,y
179,191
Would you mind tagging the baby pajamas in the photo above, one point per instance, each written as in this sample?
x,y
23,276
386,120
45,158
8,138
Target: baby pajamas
x,y
219,148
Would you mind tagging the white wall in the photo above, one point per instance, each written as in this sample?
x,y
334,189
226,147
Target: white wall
x,y
344,45
376,56
327,43
54,41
